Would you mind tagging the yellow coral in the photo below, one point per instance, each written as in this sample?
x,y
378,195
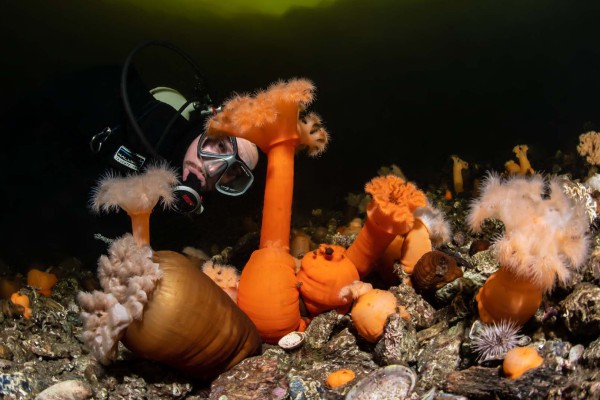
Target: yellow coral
x,y
524,164
589,147
457,167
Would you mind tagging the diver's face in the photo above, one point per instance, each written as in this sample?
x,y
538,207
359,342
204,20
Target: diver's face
x,y
205,171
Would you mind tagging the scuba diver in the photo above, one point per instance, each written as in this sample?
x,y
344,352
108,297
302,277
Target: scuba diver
x,y
161,124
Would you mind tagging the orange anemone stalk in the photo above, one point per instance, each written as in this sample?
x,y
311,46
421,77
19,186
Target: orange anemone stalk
x,y
268,290
389,214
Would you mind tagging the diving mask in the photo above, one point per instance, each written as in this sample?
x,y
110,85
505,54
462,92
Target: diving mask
x,y
223,166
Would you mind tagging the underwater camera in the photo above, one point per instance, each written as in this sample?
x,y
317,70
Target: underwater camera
x,y
158,122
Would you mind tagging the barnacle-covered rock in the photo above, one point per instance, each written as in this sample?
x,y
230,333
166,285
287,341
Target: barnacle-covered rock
x,y
343,346
485,262
15,385
427,334
591,355
440,357
591,269
391,382
308,374
309,382
580,311
471,281
46,346
557,355
459,308
433,271
305,388
320,328
422,314
398,344
341,239
261,377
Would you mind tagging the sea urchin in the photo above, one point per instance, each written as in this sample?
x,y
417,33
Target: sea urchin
x,y
492,341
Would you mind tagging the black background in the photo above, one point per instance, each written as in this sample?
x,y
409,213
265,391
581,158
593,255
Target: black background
x,y
404,82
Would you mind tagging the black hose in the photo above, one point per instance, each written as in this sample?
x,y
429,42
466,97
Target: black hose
x,y
125,96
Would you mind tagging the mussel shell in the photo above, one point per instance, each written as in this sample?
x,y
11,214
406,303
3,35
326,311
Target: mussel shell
x,y
391,382
434,270
478,245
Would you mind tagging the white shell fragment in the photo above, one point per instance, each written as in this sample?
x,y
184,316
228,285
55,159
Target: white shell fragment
x,y
66,390
292,340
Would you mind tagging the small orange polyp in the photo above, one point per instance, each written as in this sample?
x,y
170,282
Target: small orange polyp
x,y
339,378
520,360
22,301
41,281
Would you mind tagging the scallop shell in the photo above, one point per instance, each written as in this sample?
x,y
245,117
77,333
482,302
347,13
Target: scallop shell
x,y
292,340
434,270
391,382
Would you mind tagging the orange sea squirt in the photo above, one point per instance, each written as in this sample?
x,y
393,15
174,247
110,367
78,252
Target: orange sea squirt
x,y
324,273
370,313
41,281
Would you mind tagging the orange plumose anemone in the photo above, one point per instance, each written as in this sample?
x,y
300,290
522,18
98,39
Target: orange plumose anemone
x,y
137,195
389,214
268,290
545,238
